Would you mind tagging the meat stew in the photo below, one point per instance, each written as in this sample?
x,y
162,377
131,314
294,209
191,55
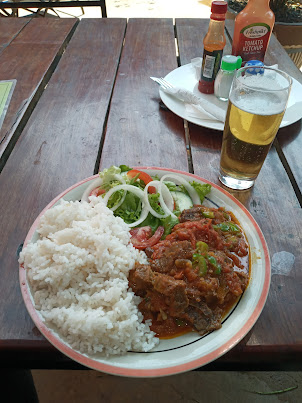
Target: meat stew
x,y
195,275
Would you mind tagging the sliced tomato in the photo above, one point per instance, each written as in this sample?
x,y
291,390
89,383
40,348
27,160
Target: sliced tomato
x,y
97,192
143,176
142,237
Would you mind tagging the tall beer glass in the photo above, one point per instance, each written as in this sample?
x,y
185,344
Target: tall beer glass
x,y
257,103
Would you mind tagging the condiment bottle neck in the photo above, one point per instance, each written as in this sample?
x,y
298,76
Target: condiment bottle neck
x,y
216,27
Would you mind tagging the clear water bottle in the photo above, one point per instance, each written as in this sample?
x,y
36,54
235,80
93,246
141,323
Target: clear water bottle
x,y
224,78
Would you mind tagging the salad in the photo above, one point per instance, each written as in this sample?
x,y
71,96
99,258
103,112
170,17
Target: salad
x,y
150,206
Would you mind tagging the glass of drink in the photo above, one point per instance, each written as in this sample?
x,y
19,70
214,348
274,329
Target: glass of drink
x,y
257,103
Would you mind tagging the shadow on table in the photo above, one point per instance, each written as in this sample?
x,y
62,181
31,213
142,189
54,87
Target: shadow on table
x,y
18,386
286,136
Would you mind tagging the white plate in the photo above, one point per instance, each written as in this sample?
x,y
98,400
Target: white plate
x,y
186,352
184,77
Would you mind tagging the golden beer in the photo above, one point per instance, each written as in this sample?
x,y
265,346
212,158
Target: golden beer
x,y
247,139
257,103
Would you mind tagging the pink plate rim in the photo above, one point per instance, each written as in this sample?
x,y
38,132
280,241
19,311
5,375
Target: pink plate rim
x,y
172,370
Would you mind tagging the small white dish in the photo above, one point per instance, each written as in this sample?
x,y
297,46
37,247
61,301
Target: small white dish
x,y
185,77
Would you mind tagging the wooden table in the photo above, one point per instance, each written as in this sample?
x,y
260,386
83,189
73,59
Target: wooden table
x,y
84,101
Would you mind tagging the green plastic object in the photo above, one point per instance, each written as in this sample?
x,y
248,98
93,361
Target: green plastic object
x,y
231,63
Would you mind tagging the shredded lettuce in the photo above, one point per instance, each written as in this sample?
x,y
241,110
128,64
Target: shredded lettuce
x,y
124,168
176,188
135,181
168,224
109,179
115,198
154,203
202,190
130,209
110,184
108,173
152,222
171,186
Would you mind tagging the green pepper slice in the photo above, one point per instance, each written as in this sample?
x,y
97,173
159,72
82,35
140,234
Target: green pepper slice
x,y
214,263
201,262
208,214
202,247
227,227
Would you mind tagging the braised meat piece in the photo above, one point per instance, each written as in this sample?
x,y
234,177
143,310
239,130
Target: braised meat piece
x,y
192,214
142,279
204,319
172,252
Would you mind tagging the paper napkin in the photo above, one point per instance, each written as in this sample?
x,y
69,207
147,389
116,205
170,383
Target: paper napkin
x,y
207,107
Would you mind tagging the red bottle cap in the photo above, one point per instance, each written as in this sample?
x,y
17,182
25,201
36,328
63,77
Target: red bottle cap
x,y
218,10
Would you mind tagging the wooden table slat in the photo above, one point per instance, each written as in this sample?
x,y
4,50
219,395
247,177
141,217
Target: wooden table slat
x,y
9,29
135,112
29,59
60,144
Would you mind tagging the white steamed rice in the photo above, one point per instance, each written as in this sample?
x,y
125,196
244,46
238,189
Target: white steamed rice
x,y
78,274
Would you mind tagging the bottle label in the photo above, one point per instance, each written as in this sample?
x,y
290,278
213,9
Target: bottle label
x,y
253,41
210,64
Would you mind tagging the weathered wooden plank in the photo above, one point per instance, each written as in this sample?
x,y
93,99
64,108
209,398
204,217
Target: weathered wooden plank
x,y
275,207
139,132
58,147
9,29
30,59
289,139
289,145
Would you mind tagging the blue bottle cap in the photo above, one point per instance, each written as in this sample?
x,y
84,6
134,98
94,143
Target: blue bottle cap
x,y
256,67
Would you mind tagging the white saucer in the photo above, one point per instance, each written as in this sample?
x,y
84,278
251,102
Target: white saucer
x,y
184,77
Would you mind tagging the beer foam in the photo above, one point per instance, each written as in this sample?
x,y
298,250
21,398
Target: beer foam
x,y
270,80
261,95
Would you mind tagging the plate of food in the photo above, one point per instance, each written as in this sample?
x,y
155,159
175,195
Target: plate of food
x,y
144,272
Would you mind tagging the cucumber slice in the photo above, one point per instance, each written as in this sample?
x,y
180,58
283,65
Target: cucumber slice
x,y
182,201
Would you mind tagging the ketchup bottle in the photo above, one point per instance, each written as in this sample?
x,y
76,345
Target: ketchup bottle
x,y
213,43
253,28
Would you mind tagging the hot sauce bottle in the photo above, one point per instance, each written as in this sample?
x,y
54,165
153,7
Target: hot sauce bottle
x,y
213,43
253,28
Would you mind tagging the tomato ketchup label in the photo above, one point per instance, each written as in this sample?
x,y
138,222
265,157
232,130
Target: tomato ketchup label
x,y
210,64
253,41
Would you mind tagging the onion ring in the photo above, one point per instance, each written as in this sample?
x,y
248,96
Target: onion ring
x,y
94,184
192,192
135,190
